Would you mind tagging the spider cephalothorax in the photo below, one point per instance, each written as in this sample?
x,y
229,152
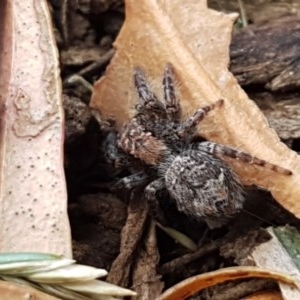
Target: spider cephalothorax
x,y
197,179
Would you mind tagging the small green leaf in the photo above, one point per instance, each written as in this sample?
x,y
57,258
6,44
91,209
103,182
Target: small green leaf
x,y
62,293
59,277
289,237
97,287
28,267
6,258
73,273
179,237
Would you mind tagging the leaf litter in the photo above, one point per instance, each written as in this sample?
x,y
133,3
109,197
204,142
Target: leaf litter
x,y
197,86
196,41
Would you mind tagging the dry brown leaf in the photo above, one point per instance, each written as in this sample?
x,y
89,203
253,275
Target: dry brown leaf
x,y
33,199
195,40
194,284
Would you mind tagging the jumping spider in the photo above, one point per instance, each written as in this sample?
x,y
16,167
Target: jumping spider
x,y
194,173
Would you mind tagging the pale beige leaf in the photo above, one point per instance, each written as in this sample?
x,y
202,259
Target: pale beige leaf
x,y
196,41
33,198
179,237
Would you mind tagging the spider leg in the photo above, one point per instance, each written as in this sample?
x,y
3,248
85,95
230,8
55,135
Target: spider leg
x,y
132,181
222,151
147,97
191,123
150,195
171,100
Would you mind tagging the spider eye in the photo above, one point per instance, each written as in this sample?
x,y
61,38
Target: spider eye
x,y
220,203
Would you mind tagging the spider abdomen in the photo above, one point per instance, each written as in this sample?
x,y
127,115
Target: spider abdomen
x,y
204,187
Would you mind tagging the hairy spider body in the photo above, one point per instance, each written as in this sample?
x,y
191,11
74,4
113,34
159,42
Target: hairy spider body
x,y
204,187
197,179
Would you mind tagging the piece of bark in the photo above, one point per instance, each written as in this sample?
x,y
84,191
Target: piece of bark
x,y
77,117
119,273
282,115
268,54
240,248
78,57
146,281
258,11
238,290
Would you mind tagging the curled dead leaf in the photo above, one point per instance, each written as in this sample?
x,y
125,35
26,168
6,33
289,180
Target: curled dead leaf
x,y
194,284
196,40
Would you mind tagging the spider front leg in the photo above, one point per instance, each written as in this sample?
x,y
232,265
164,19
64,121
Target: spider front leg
x,y
222,151
147,97
132,181
171,100
150,195
191,124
